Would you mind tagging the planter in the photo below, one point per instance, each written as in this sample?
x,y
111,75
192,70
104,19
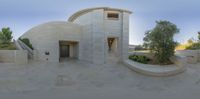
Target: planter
x,y
158,70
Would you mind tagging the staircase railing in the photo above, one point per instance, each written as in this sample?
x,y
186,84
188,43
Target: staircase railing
x,y
25,47
17,45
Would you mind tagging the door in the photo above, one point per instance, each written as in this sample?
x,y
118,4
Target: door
x,y
64,51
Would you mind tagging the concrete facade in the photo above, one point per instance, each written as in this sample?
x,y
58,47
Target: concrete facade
x,y
13,56
92,30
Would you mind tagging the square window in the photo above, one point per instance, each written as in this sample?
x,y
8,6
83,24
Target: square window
x,y
113,16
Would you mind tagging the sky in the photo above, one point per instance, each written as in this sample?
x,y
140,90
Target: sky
x,y
22,15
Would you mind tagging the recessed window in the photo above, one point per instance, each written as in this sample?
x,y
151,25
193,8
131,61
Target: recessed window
x,y
113,16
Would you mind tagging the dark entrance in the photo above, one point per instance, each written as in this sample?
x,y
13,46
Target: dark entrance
x,y
110,43
68,50
64,51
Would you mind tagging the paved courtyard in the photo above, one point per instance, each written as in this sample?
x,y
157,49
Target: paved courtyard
x,y
80,80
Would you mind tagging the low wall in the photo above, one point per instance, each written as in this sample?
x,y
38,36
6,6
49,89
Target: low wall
x,y
179,66
13,56
193,56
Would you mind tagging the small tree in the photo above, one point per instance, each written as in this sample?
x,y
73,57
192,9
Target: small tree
x,y
5,36
199,36
190,41
160,40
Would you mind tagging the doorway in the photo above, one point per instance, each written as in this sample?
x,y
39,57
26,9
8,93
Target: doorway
x,y
68,50
112,45
64,51
113,49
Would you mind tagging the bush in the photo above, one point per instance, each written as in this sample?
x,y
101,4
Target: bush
x,y
194,46
139,58
10,46
27,42
139,48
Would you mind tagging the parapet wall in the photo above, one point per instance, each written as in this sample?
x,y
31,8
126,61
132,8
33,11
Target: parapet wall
x,y
13,56
193,56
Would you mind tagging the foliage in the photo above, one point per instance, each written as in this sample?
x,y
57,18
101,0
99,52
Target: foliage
x,y
5,36
139,58
139,47
27,42
160,40
10,46
194,46
190,41
5,39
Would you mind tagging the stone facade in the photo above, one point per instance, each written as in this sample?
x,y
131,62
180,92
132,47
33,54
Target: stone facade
x,y
89,32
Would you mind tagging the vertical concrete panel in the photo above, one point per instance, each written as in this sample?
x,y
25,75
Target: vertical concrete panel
x,y
21,57
125,36
98,37
7,56
85,45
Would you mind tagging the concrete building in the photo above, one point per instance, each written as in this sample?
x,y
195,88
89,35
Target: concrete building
x,y
97,35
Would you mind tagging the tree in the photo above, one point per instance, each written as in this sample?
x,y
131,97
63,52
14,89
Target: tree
x,y
199,36
5,36
160,40
190,41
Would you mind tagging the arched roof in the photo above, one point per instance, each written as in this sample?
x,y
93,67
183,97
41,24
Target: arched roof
x,y
52,27
81,12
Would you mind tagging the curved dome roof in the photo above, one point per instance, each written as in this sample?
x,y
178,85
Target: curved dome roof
x,y
81,12
52,27
54,24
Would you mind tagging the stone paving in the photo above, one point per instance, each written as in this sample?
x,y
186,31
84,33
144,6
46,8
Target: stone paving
x,y
80,80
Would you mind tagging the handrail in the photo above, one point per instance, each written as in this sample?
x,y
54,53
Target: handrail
x,y
17,45
25,47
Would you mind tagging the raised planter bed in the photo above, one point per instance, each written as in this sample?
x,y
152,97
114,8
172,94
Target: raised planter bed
x,y
158,70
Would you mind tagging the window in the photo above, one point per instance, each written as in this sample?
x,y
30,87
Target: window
x,y
113,16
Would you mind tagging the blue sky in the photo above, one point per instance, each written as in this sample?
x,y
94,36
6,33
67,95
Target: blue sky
x,y
22,15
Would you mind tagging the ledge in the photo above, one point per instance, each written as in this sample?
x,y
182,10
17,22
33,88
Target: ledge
x,y
158,70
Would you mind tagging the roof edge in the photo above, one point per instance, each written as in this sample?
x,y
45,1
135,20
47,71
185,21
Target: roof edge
x,y
81,12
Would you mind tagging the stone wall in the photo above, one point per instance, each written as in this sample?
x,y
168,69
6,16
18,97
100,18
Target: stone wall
x,y
13,56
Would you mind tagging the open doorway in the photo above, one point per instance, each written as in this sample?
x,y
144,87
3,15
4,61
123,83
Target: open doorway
x,y
68,50
112,49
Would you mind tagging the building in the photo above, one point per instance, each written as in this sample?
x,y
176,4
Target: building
x,y
97,35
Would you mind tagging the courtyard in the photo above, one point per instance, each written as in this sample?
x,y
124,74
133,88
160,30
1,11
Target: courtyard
x,y
75,79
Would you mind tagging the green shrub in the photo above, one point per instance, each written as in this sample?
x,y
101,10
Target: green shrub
x,y
139,58
194,46
27,42
140,47
10,46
